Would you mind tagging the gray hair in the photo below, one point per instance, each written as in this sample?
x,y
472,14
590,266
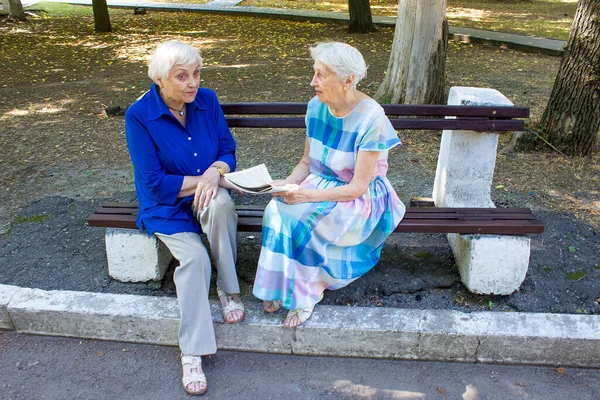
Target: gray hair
x,y
169,54
343,59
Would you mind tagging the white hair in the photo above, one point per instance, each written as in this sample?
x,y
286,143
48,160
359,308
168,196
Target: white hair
x,y
343,59
169,54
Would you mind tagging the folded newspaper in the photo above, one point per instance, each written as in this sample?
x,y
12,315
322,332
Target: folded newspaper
x,y
255,180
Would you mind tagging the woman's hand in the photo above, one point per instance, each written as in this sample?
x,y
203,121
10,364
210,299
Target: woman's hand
x,y
294,195
207,188
224,183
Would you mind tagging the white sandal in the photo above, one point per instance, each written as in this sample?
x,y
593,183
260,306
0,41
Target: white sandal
x,y
303,314
275,304
194,364
231,306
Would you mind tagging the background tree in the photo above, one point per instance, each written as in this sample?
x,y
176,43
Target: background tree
x,y
416,70
101,18
15,10
572,117
361,20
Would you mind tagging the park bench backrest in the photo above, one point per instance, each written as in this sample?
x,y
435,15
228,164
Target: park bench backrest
x,y
432,117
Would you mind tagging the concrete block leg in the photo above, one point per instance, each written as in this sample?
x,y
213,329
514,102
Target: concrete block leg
x,y
133,256
487,263
491,264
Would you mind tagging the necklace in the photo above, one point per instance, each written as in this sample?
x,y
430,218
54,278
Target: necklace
x,y
180,111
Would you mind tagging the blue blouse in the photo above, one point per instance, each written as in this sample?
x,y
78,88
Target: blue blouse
x,y
163,151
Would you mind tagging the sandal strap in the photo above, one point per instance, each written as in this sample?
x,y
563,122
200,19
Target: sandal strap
x,y
231,304
194,364
303,314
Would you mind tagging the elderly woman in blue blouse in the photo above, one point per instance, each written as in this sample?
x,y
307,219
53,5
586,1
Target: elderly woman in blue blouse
x,y
181,146
328,229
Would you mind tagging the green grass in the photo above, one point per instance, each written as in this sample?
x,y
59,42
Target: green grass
x,y
62,9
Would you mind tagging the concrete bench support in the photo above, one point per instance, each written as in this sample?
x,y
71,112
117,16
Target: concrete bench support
x,y
488,264
133,256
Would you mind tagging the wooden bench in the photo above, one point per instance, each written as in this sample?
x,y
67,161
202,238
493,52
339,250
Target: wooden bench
x,y
500,221
508,222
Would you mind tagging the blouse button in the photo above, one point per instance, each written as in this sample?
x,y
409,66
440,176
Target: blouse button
x,y
189,138
197,170
195,154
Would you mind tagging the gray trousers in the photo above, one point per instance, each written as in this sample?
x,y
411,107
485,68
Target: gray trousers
x,y
192,276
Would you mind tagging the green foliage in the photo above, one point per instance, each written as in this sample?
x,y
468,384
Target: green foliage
x,y
32,218
62,9
576,275
572,249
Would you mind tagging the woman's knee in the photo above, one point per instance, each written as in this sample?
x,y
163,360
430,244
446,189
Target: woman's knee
x,y
222,205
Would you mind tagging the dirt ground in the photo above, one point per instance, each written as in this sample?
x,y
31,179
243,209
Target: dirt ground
x,y
62,155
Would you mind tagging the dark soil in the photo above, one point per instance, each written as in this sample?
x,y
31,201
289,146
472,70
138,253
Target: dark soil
x,y
62,156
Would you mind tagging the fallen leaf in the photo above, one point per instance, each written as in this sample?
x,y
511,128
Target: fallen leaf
x,y
560,370
442,391
100,354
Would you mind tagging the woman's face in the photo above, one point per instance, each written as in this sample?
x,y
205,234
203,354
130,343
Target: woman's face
x,y
328,87
182,83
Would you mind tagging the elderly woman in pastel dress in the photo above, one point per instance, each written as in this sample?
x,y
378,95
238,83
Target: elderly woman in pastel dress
x,y
181,146
330,227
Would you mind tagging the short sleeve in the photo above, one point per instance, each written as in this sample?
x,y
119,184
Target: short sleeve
x,y
380,135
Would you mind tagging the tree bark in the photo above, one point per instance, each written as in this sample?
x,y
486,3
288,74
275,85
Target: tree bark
x,y
416,70
101,18
572,117
361,20
15,10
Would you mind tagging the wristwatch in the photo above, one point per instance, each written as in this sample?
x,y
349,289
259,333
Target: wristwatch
x,y
221,171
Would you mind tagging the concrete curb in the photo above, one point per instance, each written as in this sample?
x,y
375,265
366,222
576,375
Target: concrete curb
x,y
488,337
509,40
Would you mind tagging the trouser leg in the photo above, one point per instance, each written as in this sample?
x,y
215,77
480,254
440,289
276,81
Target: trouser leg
x,y
192,281
219,222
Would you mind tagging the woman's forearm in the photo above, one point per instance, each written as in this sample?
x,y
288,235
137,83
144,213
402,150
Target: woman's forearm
x,y
190,183
299,173
188,187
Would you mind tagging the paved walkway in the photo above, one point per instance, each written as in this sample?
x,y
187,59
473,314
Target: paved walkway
x,y
489,337
518,42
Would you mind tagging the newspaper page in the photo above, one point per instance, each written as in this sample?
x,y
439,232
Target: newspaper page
x,y
256,180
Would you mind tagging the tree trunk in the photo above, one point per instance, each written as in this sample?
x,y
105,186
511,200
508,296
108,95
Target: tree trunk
x,y
101,18
361,20
416,70
572,117
15,10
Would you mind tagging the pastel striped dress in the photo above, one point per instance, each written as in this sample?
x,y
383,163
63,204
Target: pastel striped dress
x,y
310,247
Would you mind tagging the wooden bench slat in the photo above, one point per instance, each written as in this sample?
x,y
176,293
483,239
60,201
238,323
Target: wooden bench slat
x,y
471,227
390,109
482,125
507,221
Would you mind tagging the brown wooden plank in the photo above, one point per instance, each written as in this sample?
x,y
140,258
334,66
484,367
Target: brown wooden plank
x,y
113,221
481,125
114,210
390,109
508,221
290,122
471,217
467,209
